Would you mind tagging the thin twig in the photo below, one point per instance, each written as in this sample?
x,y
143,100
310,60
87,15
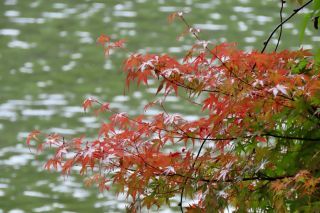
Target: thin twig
x,y
214,54
245,137
260,177
295,11
191,170
265,44
281,19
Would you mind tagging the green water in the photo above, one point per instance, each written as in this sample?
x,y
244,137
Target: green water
x,y
49,62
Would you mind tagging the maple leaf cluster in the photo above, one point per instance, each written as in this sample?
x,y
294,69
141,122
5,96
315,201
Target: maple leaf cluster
x,y
249,148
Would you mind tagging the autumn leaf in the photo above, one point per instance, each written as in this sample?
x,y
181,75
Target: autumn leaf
x,y
88,103
172,16
33,136
119,43
103,39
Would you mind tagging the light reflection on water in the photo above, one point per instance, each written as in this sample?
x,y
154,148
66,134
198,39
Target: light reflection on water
x,y
37,56
9,32
23,20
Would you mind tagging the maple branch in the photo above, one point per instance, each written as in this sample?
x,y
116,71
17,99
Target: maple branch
x,y
260,176
198,38
227,94
190,88
295,11
291,137
138,122
191,169
219,92
210,51
281,19
264,178
250,136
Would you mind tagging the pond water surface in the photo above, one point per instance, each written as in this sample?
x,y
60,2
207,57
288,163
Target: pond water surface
x,y
50,62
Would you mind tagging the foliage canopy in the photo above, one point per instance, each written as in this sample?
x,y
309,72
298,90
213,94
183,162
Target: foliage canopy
x,y
255,146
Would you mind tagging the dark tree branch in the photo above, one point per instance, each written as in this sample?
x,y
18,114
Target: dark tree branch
x,y
191,169
229,180
282,23
259,176
265,134
280,26
265,178
281,19
290,137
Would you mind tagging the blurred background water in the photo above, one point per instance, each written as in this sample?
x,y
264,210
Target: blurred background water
x,y
50,62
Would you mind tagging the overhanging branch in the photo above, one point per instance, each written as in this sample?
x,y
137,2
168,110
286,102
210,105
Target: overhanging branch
x,y
282,23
